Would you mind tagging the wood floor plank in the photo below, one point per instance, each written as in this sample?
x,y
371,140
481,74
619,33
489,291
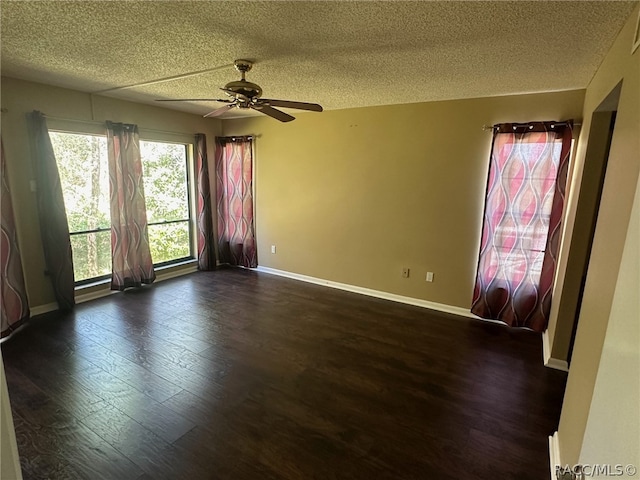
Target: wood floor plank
x,y
134,375
238,375
161,420
153,454
52,444
56,382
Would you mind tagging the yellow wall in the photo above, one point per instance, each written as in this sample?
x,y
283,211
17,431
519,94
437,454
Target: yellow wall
x,y
352,196
19,98
606,280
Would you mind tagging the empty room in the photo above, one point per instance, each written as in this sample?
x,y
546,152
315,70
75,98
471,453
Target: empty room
x,y
320,240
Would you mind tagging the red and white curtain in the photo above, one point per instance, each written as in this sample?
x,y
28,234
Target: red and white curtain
x,y
206,246
132,265
234,194
13,295
522,223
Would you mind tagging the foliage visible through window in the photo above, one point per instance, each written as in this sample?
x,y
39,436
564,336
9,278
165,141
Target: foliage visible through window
x,y
166,194
84,174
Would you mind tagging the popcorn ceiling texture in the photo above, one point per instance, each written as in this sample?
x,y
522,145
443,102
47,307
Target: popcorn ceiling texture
x,y
339,54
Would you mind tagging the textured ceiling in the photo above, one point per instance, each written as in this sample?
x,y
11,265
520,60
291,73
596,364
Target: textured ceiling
x,y
339,54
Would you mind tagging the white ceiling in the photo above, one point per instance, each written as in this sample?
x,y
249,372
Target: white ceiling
x,y
339,54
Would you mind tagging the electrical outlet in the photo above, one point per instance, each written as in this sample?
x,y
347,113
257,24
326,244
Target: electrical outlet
x,y
405,272
273,249
429,277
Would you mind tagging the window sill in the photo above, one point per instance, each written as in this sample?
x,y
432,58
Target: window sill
x,y
98,289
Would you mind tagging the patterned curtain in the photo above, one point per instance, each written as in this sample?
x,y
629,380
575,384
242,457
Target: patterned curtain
x,y
131,257
206,254
234,192
52,215
13,295
522,220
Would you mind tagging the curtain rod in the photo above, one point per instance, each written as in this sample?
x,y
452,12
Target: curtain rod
x,y
233,138
491,127
96,122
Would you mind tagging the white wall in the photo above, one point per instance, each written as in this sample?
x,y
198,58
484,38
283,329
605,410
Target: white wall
x,y
607,319
612,435
9,460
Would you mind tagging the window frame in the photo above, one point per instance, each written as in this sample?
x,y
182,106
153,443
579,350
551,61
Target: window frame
x,y
98,130
189,166
65,127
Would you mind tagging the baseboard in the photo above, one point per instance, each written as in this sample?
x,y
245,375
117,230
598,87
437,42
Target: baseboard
x,y
94,295
42,309
161,275
170,272
441,307
554,454
546,355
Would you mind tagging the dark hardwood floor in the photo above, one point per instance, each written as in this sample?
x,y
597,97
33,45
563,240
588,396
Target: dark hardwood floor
x,y
239,375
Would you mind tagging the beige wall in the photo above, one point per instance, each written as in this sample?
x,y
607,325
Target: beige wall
x,y
19,98
606,280
352,196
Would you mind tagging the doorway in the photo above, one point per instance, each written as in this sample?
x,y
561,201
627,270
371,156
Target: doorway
x,y
593,175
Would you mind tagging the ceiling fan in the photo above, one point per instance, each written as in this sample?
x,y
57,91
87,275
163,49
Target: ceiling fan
x,y
244,94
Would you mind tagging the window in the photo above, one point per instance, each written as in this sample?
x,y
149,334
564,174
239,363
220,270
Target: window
x,y
166,191
524,210
84,175
522,223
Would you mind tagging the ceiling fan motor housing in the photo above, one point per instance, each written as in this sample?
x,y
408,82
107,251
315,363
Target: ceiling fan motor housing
x,y
243,87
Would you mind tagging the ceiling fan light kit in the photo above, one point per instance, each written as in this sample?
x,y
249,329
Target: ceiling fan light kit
x,y
244,94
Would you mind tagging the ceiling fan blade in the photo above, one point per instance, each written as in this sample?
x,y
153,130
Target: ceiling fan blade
x,y
194,100
272,112
313,107
219,111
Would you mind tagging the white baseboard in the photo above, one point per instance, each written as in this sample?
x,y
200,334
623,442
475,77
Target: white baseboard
x,y
41,309
94,295
554,454
546,355
192,267
161,275
441,307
